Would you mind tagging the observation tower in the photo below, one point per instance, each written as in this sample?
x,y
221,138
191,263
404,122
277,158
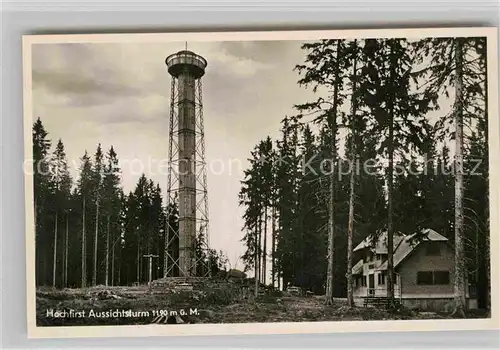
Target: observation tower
x,y
186,244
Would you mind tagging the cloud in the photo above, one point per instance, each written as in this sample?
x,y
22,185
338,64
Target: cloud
x,y
69,83
240,59
119,94
269,52
237,67
76,72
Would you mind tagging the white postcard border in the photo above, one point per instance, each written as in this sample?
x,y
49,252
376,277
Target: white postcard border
x,y
269,328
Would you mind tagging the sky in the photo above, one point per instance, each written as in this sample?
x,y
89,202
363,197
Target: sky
x,y
118,95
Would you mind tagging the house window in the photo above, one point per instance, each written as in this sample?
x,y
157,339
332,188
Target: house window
x,y
381,278
433,277
441,277
363,282
424,277
432,250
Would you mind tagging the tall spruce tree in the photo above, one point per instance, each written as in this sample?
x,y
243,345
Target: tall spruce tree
x,y
111,190
398,117
287,169
41,185
324,67
84,191
97,178
456,67
249,198
61,182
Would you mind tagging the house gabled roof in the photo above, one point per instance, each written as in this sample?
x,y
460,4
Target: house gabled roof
x,y
407,246
404,245
380,246
358,268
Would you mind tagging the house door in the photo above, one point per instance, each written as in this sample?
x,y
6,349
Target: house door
x,y
371,284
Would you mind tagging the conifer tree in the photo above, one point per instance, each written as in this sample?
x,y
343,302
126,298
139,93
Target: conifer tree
x,y
324,68
456,67
97,178
398,117
61,181
42,185
84,191
111,204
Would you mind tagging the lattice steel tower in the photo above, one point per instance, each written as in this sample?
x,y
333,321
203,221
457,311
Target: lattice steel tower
x,y
186,244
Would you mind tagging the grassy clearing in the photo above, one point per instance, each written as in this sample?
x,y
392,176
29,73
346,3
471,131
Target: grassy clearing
x,y
224,304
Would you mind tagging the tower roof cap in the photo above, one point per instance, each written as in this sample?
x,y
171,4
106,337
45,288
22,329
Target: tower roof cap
x,y
186,61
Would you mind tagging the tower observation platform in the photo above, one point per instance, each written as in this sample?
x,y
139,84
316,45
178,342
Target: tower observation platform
x,y
184,62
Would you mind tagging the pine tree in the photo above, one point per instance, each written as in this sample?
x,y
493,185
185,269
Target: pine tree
x,y
457,65
249,198
111,204
325,66
398,113
84,191
353,157
287,168
157,227
61,192
266,160
41,184
97,187
311,247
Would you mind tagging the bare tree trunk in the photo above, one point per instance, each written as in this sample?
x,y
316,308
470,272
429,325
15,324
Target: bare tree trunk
x,y
390,227
485,257
331,247
260,248
138,263
256,267
107,254
54,265
460,281
350,230
273,245
113,263
65,284
331,199
353,157
264,252
84,250
119,259
38,259
390,185
94,276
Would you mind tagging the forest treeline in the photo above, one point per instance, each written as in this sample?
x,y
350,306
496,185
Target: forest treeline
x,y
413,116
88,231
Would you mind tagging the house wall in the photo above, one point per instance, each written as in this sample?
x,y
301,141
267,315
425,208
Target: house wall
x,y
422,297
360,291
380,289
419,261
370,267
435,304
